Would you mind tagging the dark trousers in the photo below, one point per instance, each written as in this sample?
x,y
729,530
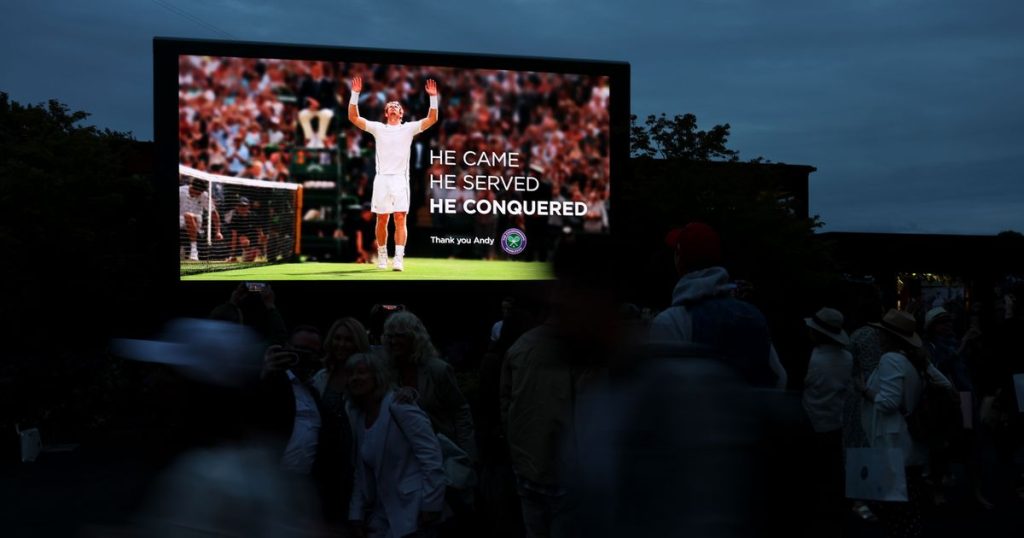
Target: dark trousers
x,y
829,502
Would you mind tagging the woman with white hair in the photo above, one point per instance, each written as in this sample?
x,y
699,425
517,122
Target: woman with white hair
x,y
415,363
399,480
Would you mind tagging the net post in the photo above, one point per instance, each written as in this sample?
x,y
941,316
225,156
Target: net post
x,y
298,220
209,214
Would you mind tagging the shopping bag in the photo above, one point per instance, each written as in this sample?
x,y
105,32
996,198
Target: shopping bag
x,y
875,474
31,443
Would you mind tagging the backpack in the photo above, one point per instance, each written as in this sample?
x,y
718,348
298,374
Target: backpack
x,y
937,417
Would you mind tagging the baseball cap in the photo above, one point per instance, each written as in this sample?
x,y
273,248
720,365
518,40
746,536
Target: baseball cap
x,y
697,244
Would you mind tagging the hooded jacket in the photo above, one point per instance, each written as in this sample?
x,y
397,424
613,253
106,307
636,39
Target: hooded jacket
x,y
705,313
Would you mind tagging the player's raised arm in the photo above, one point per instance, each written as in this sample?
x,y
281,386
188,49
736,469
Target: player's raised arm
x,y
434,98
353,104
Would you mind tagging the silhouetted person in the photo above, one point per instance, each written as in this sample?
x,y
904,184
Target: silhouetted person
x,y
826,387
704,311
545,376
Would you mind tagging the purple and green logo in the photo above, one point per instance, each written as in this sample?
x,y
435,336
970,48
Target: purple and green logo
x,y
513,241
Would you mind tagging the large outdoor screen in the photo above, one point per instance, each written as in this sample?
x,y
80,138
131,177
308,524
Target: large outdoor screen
x,y
315,163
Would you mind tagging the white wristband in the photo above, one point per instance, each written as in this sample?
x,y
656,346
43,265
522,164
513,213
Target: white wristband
x,y
433,102
354,100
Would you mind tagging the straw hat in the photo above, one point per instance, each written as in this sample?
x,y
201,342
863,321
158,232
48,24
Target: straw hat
x,y
900,324
829,322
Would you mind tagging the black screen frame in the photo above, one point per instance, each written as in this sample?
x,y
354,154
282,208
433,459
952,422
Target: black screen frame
x,y
166,53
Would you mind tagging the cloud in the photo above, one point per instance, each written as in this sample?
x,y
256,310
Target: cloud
x,y
894,98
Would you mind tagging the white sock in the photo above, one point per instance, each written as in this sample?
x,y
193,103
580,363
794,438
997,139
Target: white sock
x,y
399,251
382,251
193,248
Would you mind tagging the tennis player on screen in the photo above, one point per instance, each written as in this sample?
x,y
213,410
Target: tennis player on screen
x,y
391,184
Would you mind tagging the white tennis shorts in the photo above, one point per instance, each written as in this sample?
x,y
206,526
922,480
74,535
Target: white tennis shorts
x,y
181,221
390,194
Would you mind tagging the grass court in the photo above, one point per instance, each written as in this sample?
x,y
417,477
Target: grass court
x,y
415,269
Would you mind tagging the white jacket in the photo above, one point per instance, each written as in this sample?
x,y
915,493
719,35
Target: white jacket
x,y
897,387
409,477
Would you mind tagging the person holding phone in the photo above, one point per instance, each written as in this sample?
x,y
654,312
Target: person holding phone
x,y
295,363
315,436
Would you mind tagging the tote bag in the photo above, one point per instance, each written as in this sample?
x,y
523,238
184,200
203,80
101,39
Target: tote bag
x,y
875,474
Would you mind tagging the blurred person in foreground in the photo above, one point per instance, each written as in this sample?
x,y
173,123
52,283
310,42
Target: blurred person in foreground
x,y
680,443
499,502
391,184
399,479
545,376
226,478
705,312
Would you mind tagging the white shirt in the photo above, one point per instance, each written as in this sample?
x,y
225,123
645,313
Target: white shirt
x,y
828,382
301,450
393,145
897,388
188,204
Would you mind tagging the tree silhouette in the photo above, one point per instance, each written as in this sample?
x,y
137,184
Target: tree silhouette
x,y
76,255
679,138
681,173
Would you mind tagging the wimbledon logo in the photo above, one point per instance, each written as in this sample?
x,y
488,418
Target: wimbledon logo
x,y
513,241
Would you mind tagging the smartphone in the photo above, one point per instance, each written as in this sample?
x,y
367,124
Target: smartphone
x,y
256,287
295,354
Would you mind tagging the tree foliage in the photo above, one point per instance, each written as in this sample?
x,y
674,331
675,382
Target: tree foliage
x,y
74,251
679,138
681,174
71,213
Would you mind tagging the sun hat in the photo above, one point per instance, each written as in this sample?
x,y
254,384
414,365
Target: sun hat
x,y
900,324
829,322
936,314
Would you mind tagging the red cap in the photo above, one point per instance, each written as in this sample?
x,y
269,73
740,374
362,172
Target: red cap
x,y
697,245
